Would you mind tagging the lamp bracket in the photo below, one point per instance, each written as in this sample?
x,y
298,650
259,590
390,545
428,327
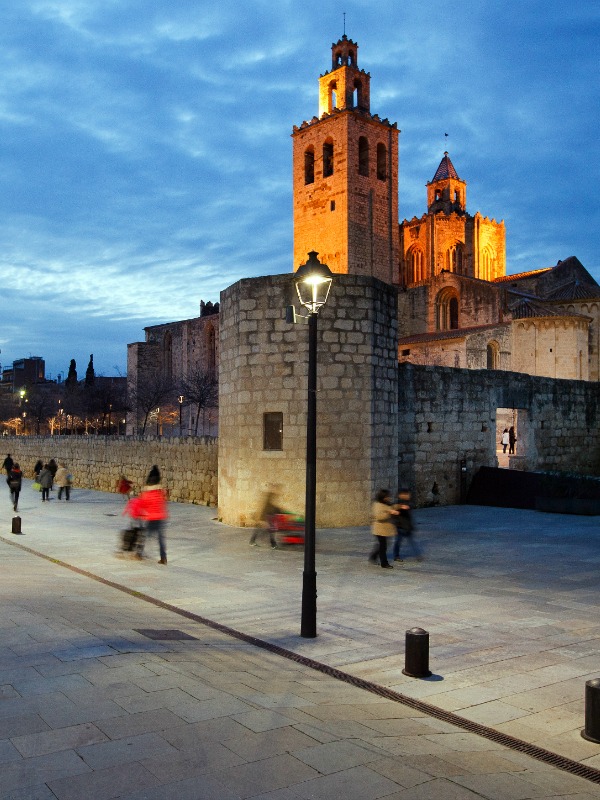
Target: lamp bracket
x,y
293,318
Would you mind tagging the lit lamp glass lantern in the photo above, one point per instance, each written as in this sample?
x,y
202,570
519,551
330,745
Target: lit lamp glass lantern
x,y
313,282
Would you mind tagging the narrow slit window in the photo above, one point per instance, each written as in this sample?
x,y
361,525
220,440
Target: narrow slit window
x,y
273,430
327,158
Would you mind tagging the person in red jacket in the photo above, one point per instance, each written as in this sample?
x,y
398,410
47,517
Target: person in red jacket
x,y
152,507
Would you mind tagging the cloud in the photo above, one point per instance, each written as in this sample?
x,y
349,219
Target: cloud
x,y
147,156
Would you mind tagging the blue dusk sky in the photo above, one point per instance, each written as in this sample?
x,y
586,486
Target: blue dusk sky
x,y
146,151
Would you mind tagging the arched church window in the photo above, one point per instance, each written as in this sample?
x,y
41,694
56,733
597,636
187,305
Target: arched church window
x,y
454,258
493,355
417,271
381,162
309,165
363,156
350,58
486,264
447,310
327,158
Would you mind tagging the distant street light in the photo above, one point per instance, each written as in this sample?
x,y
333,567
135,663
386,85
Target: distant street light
x,y
180,400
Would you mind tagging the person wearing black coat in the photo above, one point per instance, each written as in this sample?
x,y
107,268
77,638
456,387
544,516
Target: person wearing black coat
x,y
14,484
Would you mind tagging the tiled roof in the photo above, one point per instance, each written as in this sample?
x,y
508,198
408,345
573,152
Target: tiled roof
x,y
445,170
526,307
520,275
574,290
455,333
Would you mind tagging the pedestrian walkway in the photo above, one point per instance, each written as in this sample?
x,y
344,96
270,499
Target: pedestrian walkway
x,y
92,706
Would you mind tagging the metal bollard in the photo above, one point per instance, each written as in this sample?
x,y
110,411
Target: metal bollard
x,y
16,525
416,657
591,732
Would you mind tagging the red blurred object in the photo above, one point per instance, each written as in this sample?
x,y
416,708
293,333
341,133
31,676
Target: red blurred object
x,y
290,527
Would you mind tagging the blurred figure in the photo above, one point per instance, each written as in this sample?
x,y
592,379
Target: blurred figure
x,y
382,527
53,467
124,487
505,440
63,480
152,507
45,481
267,511
7,464
405,526
37,469
15,477
133,536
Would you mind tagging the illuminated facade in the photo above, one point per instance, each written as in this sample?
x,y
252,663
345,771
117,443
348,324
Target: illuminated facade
x,y
456,305
345,176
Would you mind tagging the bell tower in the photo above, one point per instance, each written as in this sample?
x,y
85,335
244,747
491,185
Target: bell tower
x,y
345,176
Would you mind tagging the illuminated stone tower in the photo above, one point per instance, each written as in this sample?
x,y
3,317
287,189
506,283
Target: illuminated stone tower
x,y
345,165
448,238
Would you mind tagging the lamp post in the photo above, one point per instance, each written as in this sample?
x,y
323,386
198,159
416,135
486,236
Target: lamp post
x,y
313,282
180,400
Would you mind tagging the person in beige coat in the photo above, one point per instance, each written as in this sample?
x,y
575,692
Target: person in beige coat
x,y
382,527
63,480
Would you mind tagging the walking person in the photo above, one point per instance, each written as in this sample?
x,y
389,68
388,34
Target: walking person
x,y
53,467
512,438
37,469
505,440
63,480
382,527
7,464
45,481
405,527
14,481
152,507
124,487
268,510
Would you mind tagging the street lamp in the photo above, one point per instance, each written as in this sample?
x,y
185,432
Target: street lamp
x,y
180,400
313,282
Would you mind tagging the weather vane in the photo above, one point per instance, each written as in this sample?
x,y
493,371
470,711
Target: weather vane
x,y
344,13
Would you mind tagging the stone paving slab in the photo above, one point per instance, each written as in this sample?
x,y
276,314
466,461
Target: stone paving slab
x,y
83,696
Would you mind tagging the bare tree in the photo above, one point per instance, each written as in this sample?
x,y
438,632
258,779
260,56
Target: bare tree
x,y
40,405
200,389
150,392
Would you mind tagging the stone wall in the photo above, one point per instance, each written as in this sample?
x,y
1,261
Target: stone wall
x,y
188,465
448,427
263,369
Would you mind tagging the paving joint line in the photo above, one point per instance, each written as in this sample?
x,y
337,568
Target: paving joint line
x,y
512,742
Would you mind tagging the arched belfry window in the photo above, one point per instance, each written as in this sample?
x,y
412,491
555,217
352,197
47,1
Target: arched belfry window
x,y
455,258
381,162
332,100
447,310
327,158
350,58
309,165
363,156
357,96
493,355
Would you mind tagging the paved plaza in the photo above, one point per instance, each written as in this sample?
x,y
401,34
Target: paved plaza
x,y
92,705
